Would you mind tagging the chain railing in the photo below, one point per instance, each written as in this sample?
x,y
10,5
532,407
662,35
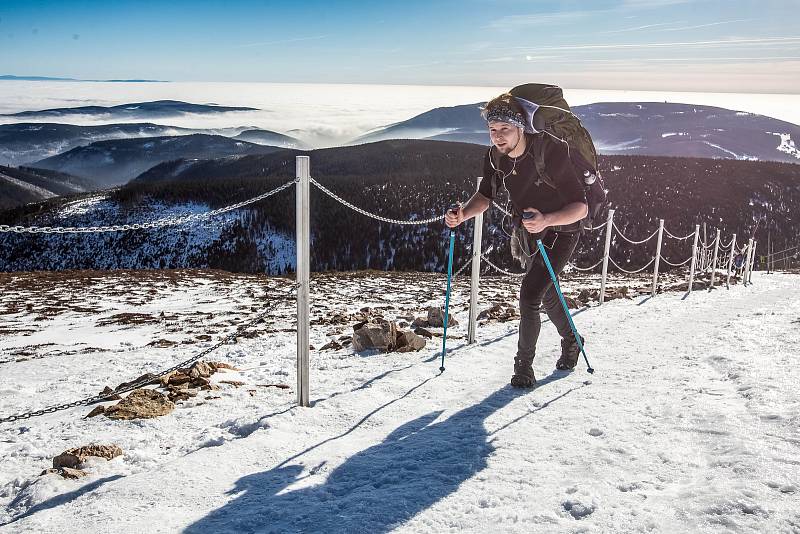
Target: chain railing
x,y
140,383
159,223
377,217
631,241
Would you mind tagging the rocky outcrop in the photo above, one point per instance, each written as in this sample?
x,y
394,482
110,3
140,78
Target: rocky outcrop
x,y
141,404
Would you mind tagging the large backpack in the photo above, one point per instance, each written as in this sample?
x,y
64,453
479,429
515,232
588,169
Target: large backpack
x,y
550,120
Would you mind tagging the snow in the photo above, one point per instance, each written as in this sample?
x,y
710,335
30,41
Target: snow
x,y
787,144
690,423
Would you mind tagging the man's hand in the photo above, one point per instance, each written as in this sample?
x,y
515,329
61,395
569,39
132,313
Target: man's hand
x,y
537,223
454,218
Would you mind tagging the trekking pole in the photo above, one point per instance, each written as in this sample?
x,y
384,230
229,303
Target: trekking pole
x,y
453,207
563,302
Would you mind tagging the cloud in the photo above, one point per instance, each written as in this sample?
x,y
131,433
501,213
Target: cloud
x,y
623,46
704,25
646,26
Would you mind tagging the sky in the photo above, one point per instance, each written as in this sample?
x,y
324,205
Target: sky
x,y
677,45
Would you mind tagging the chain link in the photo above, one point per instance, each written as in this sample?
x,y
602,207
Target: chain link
x,y
684,262
630,272
676,237
136,385
587,268
630,240
159,223
368,214
501,270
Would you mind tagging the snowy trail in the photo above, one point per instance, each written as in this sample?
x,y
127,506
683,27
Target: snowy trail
x,y
690,424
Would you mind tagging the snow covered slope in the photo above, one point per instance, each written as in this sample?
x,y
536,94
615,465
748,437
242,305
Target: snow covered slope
x,y
690,423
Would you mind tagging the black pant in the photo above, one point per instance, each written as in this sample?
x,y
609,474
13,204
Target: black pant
x,y
538,291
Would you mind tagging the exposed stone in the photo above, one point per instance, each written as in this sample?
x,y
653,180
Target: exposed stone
x,y
408,341
141,404
110,394
72,458
333,345
572,303
423,332
419,322
97,410
222,365
145,379
65,472
436,317
200,369
234,383
179,378
500,312
381,336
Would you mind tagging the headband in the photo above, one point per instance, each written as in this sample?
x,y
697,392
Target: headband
x,y
506,114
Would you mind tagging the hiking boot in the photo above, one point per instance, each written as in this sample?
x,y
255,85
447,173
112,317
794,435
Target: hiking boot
x,y
523,373
569,354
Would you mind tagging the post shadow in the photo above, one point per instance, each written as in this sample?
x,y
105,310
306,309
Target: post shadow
x,y
420,463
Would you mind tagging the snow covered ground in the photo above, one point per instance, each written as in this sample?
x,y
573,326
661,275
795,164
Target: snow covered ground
x,y
690,423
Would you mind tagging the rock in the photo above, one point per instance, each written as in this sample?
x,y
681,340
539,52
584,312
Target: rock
x,y
359,325
402,324
98,410
72,458
333,345
381,336
141,404
110,394
423,332
177,378
572,303
500,312
234,383
419,322
436,317
73,474
588,294
65,472
200,369
145,379
408,341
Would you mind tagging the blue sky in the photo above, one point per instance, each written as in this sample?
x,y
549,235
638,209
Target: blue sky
x,y
736,45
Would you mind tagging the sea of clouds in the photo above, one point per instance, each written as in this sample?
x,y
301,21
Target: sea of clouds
x,y
325,115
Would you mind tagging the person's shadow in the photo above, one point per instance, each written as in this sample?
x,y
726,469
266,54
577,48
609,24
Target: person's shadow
x,y
377,489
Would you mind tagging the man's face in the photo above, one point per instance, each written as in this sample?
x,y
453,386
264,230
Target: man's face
x,y
504,136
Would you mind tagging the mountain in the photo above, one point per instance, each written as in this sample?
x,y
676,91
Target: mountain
x,y
158,108
117,161
23,185
267,137
26,142
634,128
402,180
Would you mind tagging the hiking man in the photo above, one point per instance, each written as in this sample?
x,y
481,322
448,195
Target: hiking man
x,y
552,214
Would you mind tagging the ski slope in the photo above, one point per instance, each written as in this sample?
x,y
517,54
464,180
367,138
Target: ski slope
x,y
689,424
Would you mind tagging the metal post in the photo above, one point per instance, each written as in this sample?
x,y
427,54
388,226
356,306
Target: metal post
x,y
746,266
730,262
609,229
303,165
694,256
752,263
714,261
477,238
658,256
769,251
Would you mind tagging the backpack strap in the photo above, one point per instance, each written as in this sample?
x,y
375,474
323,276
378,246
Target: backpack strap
x,y
538,160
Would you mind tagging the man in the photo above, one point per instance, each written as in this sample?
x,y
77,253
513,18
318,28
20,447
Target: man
x,y
552,214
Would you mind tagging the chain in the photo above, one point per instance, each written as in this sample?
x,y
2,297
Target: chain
x,y
631,241
159,223
676,237
501,270
711,244
100,398
501,208
368,214
587,268
630,272
665,260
